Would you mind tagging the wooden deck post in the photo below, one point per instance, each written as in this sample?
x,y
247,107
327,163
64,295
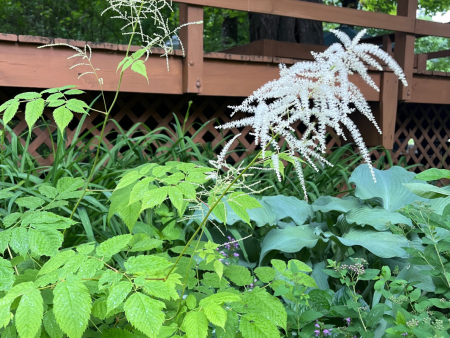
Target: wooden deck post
x,y
388,108
404,47
192,39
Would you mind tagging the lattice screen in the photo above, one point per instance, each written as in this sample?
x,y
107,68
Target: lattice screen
x,y
427,125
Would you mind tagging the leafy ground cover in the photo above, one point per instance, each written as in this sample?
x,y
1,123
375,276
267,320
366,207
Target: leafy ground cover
x,y
116,240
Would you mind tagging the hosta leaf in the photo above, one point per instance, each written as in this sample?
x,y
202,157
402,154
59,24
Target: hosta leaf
x,y
130,214
113,245
6,275
31,203
19,240
48,191
72,307
161,289
56,262
255,326
67,184
62,117
145,313
118,294
146,265
261,302
195,324
29,314
139,67
51,326
77,106
33,111
216,314
10,111
28,96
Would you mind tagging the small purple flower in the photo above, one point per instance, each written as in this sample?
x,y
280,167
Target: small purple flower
x,y
317,325
405,334
226,263
251,285
236,254
326,332
255,280
220,260
348,321
317,332
229,238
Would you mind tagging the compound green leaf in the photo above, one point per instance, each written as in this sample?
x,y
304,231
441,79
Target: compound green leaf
x,y
231,326
33,111
146,265
56,103
118,294
19,240
48,191
265,305
5,237
72,307
255,326
11,111
238,274
139,67
62,117
155,197
77,106
68,184
187,189
146,245
6,104
46,241
117,333
51,326
128,179
265,274
145,313
56,262
113,245
220,298
130,214
195,324
29,314
5,314
11,219
161,290
216,314
31,203
28,96
176,197
6,275
73,92
54,97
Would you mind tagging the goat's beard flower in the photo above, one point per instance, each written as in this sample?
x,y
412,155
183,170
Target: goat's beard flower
x,y
324,81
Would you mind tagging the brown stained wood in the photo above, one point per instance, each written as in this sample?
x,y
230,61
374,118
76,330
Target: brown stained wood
x,y
430,28
387,43
421,63
75,43
107,46
314,11
437,55
224,56
35,39
388,108
427,89
124,48
192,39
8,37
437,73
23,65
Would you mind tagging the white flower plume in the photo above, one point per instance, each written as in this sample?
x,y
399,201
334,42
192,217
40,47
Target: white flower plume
x,y
278,104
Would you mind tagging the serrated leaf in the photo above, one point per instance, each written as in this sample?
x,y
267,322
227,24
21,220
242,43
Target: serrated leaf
x,y
117,333
48,191
118,294
238,274
54,97
29,314
155,197
140,189
146,245
72,307
218,267
33,111
56,262
10,111
73,92
216,314
46,241
255,326
261,302
51,326
28,96
99,308
161,289
56,103
128,179
5,105
6,275
138,54
173,179
5,237
145,313
146,265
191,302
265,274
31,203
11,219
108,279
66,87
300,265
62,117
188,190
139,67
77,106
113,245
56,204
68,184
195,324
176,197
130,214
231,326
19,240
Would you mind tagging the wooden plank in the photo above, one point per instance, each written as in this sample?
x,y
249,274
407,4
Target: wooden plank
x,y
388,108
430,28
192,38
429,89
8,37
421,63
404,46
437,55
23,65
314,11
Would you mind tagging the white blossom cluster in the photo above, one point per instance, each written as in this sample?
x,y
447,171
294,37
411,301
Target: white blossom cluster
x,y
279,104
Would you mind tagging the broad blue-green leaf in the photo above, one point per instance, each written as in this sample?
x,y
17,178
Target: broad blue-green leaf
x,y
328,203
72,307
62,117
145,313
33,111
375,217
289,240
29,314
382,244
389,188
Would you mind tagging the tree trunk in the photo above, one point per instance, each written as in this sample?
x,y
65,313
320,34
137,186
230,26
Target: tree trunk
x,y
271,27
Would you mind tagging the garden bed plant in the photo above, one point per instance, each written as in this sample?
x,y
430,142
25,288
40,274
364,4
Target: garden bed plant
x,y
171,247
